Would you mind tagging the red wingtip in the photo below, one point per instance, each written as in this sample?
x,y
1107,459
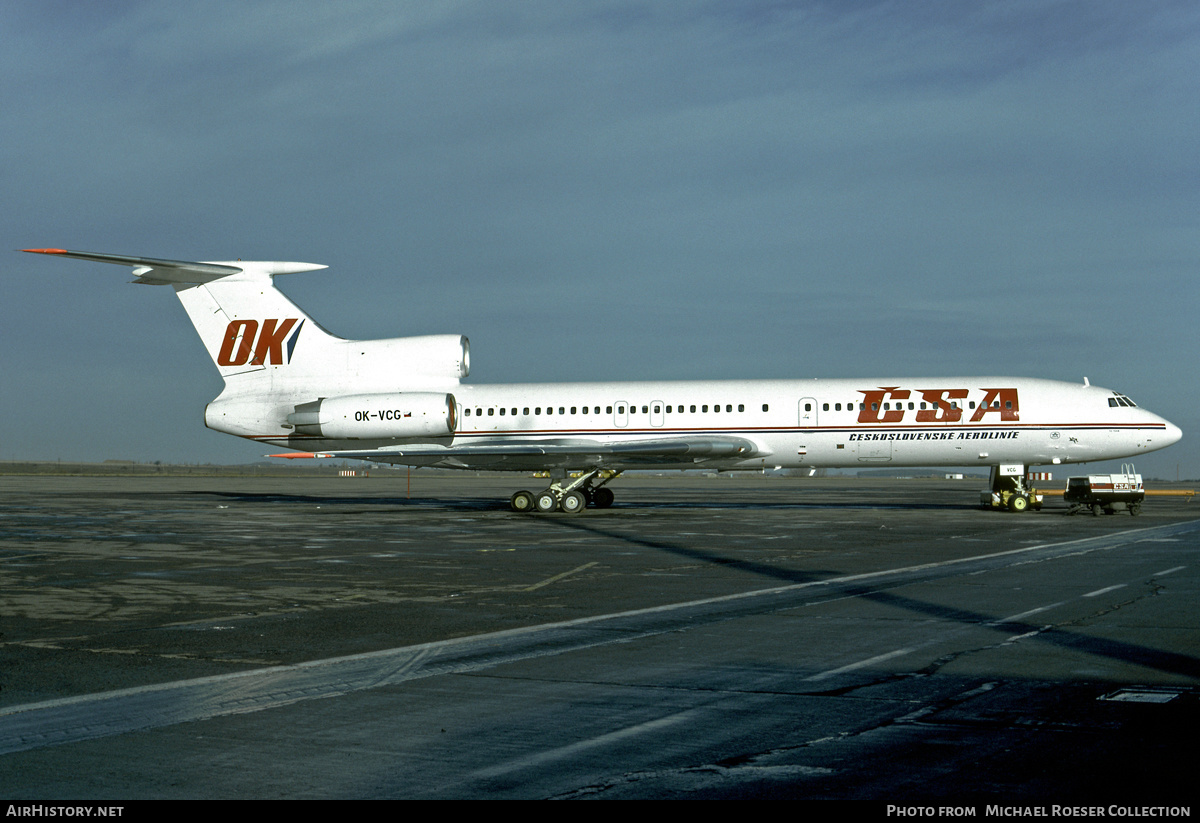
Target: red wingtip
x,y
46,251
294,455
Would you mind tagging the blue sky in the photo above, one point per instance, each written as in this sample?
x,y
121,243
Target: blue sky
x,y
603,190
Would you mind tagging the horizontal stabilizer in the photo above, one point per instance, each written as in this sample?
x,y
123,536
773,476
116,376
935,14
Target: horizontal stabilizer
x,y
154,271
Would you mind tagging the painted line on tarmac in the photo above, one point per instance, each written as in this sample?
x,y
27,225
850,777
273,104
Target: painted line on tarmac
x,y
862,664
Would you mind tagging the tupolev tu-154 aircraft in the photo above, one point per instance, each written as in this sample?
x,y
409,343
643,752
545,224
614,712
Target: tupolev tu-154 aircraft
x,y
291,384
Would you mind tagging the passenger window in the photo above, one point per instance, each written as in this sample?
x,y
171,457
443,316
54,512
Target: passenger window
x,y
692,409
766,407
704,408
741,407
491,412
525,411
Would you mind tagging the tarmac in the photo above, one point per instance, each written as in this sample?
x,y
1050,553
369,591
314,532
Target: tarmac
x,y
706,637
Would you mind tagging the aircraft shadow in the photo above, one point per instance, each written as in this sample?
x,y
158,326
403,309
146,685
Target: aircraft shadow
x,y
1164,661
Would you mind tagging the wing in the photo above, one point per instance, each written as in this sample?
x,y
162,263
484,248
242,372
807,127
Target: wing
x,y
534,455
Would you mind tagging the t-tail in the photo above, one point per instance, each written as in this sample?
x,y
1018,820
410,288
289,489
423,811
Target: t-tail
x,y
272,355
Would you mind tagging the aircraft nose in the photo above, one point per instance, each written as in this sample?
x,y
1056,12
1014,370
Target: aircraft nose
x,y
1172,435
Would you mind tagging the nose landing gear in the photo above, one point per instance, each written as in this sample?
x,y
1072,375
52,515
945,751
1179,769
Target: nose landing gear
x,y
1010,491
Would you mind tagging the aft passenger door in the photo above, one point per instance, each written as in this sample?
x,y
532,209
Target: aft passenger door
x,y
807,411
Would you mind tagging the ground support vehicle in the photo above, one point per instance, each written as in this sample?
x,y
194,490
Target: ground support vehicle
x,y
1106,493
1010,490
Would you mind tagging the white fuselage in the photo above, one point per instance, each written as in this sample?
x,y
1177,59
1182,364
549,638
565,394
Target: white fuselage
x,y
811,423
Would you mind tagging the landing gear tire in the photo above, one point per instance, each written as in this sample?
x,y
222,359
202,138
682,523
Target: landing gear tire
x,y
1097,510
602,497
573,502
522,501
1018,503
1135,509
545,502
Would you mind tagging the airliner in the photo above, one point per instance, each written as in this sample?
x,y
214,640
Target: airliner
x,y
291,384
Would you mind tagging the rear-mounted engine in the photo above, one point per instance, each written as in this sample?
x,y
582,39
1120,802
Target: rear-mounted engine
x,y
377,416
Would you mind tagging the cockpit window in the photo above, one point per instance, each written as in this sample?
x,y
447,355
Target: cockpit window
x,y
1119,399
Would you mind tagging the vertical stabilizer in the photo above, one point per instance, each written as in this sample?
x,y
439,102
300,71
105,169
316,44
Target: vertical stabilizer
x,y
247,325
264,345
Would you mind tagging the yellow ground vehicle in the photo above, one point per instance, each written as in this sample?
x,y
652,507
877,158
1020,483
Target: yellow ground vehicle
x,y
1010,490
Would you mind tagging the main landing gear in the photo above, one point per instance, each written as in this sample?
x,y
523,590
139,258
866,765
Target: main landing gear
x,y
570,495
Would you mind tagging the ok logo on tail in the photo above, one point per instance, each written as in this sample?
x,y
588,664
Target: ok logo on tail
x,y
245,342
